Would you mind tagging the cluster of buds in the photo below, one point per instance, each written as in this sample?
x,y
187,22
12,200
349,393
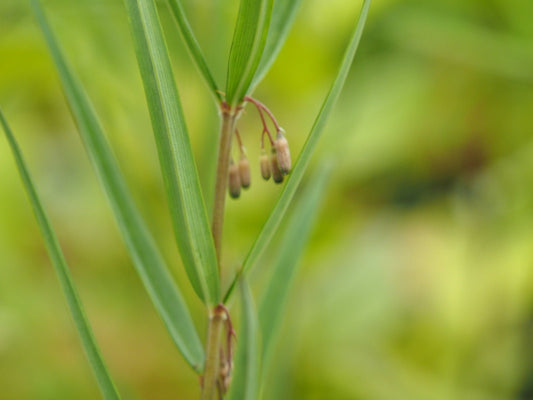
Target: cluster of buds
x,y
239,176
277,165
239,173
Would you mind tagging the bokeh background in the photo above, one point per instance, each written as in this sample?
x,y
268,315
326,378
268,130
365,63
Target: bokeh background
x,y
418,281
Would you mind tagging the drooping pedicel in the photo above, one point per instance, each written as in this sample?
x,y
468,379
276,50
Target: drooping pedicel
x,y
276,165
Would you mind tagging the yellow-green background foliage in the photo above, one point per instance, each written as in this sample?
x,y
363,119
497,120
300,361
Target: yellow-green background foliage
x,y
418,282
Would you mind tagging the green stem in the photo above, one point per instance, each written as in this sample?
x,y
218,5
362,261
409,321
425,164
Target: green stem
x,y
212,361
217,317
229,117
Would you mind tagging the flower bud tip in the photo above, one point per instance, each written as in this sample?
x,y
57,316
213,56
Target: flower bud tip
x,y
234,181
265,166
244,172
277,176
283,153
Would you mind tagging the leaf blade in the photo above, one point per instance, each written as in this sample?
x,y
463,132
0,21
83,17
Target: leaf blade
x,y
283,16
277,213
92,351
247,47
186,204
140,244
245,383
193,46
293,243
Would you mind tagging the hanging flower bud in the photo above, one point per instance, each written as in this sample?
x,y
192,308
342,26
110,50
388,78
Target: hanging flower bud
x,y
284,155
234,181
265,165
244,172
274,165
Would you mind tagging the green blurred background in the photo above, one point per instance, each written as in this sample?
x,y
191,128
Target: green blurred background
x,y
418,282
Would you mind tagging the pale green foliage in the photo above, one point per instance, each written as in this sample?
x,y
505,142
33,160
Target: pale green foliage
x,y
143,251
247,47
291,247
186,204
245,383
283,15
261,30
193,46
107,387
301,164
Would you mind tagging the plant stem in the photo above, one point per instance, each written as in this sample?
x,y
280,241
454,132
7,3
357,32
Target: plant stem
x,y
218,314
212,362
229,117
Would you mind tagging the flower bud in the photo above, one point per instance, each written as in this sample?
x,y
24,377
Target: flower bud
x,y
284,155
234,181
244,172
265,165
274,165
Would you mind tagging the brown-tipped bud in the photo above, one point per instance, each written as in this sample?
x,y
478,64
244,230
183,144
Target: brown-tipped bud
x,y
274,165
244,172
284,155
265,166
234,181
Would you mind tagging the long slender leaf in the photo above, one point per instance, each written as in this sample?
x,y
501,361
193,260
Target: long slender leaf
x,y
193,46
107,387
245,383
293,244
189,216
247,47
141,246
300,166
283,15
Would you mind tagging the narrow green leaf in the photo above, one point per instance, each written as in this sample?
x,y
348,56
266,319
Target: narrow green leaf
x,y
187,208
245,383
193,46
247,47
300,166
107,387
283,15
293,244
141,246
